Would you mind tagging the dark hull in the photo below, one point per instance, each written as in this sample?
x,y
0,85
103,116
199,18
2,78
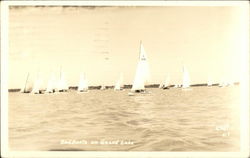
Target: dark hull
x,y
40,92
139,91
83,91
165,88
62,90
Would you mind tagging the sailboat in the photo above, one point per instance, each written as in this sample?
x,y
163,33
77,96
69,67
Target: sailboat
x,y
83,84
25,89
62,85
209,83
166,84
52,86
186,78
142,72
160,86
103,87
230,83
118,85
176,86
49,88
37,85
223,83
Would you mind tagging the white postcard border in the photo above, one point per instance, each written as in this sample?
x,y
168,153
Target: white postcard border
x,y
244,152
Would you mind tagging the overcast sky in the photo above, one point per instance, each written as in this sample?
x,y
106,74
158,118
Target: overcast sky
x,y
104,41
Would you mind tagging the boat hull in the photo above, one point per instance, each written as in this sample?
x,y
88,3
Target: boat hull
x,y
138,92
63,90
164,88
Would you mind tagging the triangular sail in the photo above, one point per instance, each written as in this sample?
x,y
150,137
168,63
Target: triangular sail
x,y
166,84
52,84
37,85
83,84
209,82
186,78
161,85
222,83
49,88
103,87
62,85
24,89
118,85
142,71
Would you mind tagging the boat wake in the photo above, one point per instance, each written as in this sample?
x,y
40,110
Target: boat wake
x,y
187,89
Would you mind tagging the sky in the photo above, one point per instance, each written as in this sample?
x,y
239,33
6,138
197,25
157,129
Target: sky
x,y
103,42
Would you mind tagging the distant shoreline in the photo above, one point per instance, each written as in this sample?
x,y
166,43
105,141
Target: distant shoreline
x,y
127,86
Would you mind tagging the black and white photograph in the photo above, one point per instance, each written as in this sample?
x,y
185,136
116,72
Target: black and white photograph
x,y
124,77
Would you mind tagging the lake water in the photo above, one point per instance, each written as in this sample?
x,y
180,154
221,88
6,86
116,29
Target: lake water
x,y
202,119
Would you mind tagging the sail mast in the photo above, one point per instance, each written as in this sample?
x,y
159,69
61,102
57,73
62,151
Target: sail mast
x,y
24,90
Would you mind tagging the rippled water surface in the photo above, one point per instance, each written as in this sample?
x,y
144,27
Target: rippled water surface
x,y
202,119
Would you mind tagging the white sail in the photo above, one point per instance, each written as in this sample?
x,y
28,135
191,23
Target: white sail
x,y
209,82
223,83
142,72
52,84
83,84
103,87
161,85
176,86
37,85
166,84
24,88
62,84
118,85
49,88
186,78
